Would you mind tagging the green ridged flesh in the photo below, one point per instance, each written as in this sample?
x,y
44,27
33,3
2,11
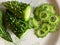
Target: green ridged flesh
x,y
18,26
44,15
54,19
42,31
47,18
44,7
3,33
19,9
47,7
53,27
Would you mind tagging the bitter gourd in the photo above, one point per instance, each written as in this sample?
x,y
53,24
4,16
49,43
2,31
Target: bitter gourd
x,y
43,30
53,28
19,9
54,19
43,7
3,33
47,16
18,26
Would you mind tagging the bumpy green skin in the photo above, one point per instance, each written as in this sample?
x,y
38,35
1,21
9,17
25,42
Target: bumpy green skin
x,y
18,17
47,7
54,19
53,28
43,30
3,33
43,7
46,16
17,25
17,8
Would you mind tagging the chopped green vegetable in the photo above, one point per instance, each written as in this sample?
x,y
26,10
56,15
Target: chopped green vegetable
x,y
53,28
3,33
42,31
47,7
44,15
47,18
19,9
18,26
18,17
44,7
54,19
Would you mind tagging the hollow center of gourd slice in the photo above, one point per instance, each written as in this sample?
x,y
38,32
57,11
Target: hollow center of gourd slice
x,y
53,19
41,32
43,15
27,13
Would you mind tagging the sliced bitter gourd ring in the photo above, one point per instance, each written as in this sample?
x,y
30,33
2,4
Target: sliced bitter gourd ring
x,y
44,15
46,27
19,9
47,7
53,28
44,7
43,31
54,19
19,27
40,33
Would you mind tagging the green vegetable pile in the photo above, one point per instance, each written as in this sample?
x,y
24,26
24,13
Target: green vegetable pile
x,y
19,9
19,20
17,17
3,33
50,20
18,26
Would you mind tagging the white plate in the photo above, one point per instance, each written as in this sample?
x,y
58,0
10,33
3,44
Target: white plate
x,y
30,38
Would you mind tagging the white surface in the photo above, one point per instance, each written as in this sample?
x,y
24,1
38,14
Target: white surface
x,y
30,38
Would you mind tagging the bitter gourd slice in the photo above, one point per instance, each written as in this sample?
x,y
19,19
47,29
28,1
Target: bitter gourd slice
x,y
18,26
19,9
3,33
42,31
